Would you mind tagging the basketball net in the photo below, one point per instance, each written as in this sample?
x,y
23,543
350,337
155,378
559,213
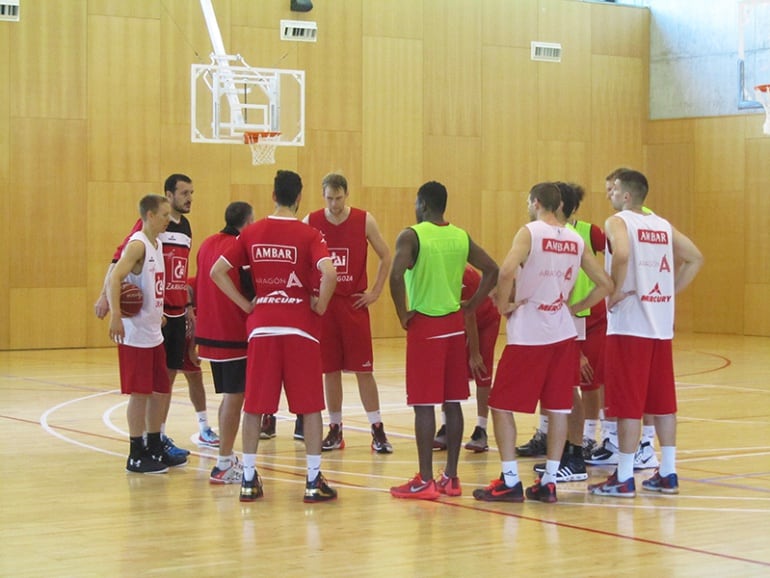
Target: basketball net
x,y
762,94
262,145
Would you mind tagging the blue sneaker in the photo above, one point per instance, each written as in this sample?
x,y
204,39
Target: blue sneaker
x,y
208,439
614,488
170,448
664,484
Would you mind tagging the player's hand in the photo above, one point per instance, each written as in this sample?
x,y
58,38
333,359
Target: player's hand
x,y
102,306
193,355
117,331
617,297
189,323
511,307
586,371
407,318
363,299
476,364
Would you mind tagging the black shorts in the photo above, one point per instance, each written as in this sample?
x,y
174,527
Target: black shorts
x,y
174,341
229,376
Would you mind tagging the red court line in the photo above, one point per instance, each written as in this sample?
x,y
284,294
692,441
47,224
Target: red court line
x,y
609,534
726,362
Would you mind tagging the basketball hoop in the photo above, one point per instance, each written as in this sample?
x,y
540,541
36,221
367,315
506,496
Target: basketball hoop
x,y
262,146
762,94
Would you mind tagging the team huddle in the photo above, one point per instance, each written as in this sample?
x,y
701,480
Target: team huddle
x,y
281,305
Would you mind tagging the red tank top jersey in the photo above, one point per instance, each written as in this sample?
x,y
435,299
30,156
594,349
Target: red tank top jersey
x,y
486,313
348,248
283,255
177,242
220,328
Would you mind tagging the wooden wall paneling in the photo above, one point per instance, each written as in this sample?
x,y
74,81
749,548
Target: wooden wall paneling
x,y
393,112
133,9
48,317
719,153
328,151
48,60
564,92
506,23
456,162
452,52
720,233
393,208
757,209
562,160
502,213
756,317
260,197
124,95
5,194
670,131
265,13
333,67
509,109
48,170
620,31
111,211
618,96
393,19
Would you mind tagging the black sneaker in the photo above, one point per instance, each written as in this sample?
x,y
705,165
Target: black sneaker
x,y
170,447
439,442
146,464
319,491
268,427
380,443
571,469
251,490
299,428
333,440
542,493
478,442
497,491
534,447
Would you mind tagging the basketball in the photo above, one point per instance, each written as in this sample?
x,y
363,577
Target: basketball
x,y
131,300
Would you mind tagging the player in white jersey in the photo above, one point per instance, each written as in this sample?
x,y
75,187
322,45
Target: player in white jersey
x,y
541,361
649,261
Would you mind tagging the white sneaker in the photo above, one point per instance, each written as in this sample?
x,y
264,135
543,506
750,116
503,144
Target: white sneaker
x,y
606,454
231,475
645,458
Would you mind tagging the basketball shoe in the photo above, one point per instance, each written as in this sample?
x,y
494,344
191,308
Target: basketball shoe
x,y
319,491
439,441
478,442
534,447
380,443
542,492
664,484
146,463
299,428
333,440
614,488
251,490
416,489
604,455
448,486
231,475
267,430
645,458
208,439
497,491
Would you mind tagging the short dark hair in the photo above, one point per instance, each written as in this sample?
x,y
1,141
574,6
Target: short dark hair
x,y
150,204
634,183
547,194
287,186
237,213
170,185
434,195
335,181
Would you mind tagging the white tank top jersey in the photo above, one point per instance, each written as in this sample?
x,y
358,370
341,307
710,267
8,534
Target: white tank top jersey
x,y
649,311
546,280
143,330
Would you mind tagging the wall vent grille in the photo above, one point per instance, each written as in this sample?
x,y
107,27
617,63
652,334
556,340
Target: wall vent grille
x,y
9,10
546,51
299,30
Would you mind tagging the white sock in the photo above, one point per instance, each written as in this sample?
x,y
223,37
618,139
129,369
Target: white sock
x,y
549,476
373,417
249,466
511,473
225,462
667,460
648,434
543,423
335,417
589,429
313,467
482,422
162,430
203,420
443,418
625,466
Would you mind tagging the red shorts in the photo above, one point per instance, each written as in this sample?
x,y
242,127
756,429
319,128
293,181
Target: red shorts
x,y
289,361
527,374
639,376
143,369
346,337
593,348
436,363
487,341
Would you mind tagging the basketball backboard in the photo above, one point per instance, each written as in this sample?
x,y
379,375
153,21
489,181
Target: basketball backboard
x,y
753,49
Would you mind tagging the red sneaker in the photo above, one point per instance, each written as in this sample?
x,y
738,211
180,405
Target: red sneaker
x,y
448,486
416,489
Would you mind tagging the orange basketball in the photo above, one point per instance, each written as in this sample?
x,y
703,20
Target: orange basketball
x,y
131,300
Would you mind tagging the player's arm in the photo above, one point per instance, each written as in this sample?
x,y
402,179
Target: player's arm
x,y
516,257
374,237
603,283
479,258
690,257
404,258
102,306
326,289
222,280
617,238
131,260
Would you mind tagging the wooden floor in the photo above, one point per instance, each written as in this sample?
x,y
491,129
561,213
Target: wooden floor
x,y
68,508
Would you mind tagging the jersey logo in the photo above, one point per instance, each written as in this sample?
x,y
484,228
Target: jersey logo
x,y
340,256
664,266
556,246
178,269
274,253
652,237
656,295
293,281
159,283
551,307
278,297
